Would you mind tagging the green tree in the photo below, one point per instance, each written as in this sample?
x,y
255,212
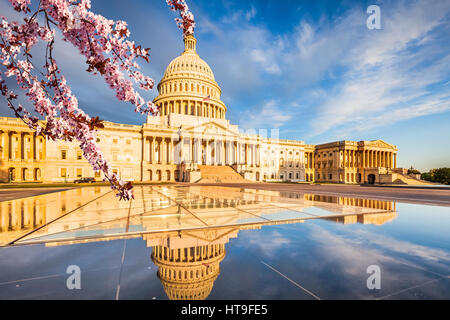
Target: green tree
x,y
441,175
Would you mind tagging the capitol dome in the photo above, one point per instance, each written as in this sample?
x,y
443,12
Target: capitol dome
x,y
188,86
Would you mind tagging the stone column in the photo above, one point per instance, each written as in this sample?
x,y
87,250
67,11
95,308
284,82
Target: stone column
x,y
32,146
198,151
44,150
343,160
181,149
165,146
6,146
395,160
374,165
152,149
253,155
227,152
146,149
349,154
3,145
212,150
171,157
363,159
207,152
238,152
258,156
190,155
20,148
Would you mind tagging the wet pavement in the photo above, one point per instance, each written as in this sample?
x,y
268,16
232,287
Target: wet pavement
x,y
204,242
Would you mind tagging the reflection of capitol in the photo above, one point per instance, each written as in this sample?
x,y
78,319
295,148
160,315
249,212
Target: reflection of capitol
x,y
187,228
188,266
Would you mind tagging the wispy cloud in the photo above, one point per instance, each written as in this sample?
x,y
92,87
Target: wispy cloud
x,y
268,115
389,72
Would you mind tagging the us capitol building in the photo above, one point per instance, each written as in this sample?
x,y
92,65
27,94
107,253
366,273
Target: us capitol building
x,y
191,140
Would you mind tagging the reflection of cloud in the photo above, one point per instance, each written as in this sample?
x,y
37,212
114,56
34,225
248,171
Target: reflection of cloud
x,y
405,247
361,246
268,243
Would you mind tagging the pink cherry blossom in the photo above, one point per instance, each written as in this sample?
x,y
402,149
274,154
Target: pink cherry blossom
x,y
105,45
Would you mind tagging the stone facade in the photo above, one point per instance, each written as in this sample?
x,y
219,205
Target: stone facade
x,y
191,131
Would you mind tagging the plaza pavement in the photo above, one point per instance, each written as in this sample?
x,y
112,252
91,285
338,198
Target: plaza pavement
x,y
411,195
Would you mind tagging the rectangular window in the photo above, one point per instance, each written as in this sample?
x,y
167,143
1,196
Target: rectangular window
x,y
79,155
97,174
63,154
79,172
63,172
114,156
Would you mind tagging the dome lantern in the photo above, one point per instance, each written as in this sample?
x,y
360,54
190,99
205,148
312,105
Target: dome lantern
x,y
189,43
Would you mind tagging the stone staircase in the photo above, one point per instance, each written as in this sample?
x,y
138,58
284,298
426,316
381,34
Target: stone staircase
x,y
219,174
399,178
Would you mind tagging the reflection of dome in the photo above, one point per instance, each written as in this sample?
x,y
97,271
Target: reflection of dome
x,y
188,86
188,273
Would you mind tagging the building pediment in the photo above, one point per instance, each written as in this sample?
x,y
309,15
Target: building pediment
x,y
380,144
211,129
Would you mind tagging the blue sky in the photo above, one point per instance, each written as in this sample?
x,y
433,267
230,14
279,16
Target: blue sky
x,y
312,69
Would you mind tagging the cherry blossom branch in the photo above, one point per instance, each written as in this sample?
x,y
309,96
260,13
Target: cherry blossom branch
x,y
104,44
186,22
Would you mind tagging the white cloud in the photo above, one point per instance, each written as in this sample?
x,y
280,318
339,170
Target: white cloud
x,y
270,114
389,72
250,14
